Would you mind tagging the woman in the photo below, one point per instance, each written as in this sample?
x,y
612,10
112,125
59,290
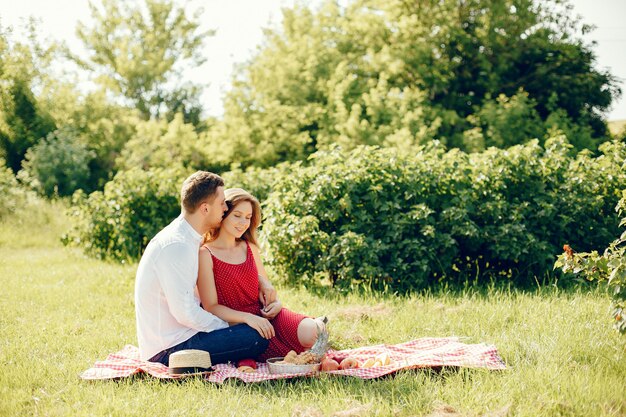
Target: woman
x,y
230,269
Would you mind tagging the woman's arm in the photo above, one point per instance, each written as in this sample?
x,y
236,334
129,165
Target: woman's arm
x,y
208,297
267,293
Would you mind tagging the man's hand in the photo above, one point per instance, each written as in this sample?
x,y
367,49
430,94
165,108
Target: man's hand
x,y
271,310
267,293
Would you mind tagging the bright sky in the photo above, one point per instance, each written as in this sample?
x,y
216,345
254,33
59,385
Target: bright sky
x,y
239,26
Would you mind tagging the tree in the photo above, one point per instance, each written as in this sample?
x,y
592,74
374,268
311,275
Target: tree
x,y
57,165
404,72
23,122
102,126
37,96
159,144
139,51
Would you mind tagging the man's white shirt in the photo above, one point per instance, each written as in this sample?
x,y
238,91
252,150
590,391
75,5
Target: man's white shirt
x,y
167,304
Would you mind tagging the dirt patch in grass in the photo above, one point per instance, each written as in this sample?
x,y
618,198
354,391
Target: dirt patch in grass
x,y
444,410
306,412
357,411
364,312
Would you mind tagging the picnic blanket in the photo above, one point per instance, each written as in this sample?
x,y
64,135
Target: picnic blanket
x,y
419,353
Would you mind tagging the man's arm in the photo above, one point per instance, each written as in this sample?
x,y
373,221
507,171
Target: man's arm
x,y
178,277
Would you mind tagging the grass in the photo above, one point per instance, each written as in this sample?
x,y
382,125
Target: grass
x,y
617,126
61,311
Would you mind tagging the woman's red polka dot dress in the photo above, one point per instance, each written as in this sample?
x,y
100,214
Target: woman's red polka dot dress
x,y
237,287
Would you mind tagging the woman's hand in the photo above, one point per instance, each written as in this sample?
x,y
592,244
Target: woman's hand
x,y
271,310
267,293
261,325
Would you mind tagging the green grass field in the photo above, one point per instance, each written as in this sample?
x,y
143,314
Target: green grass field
x,y
617,126
60,312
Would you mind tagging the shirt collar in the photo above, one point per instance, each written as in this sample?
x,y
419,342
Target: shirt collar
x,y
197,237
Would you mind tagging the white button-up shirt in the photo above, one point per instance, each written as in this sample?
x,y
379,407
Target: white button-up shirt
x,y
167,305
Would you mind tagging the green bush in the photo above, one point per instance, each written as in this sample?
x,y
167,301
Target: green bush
x,y
526,201
381,218
608,268
362,216
388,220
118,222
57,165
12,196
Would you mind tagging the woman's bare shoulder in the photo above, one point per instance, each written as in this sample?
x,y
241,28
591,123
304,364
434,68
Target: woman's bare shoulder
x,y
256,252
205,254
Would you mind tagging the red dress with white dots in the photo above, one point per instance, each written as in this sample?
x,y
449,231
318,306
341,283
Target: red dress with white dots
x,y
237,287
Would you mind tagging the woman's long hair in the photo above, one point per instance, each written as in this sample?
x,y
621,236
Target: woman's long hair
x,y
234,196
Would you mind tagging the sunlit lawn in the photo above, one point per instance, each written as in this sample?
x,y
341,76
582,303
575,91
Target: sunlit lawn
x,y
60,311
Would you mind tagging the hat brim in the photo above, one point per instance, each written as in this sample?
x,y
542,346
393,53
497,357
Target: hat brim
x,y
190,371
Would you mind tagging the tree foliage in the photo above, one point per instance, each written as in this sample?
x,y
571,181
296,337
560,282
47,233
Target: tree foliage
x,y
23,121
40,93
57,165
159,144
13,197
101,126
138,53
403,73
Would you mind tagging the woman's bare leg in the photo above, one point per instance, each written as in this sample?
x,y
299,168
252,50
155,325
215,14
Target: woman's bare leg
x,y
307,331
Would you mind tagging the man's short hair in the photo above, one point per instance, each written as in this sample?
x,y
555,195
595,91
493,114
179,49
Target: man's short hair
x,y
198,188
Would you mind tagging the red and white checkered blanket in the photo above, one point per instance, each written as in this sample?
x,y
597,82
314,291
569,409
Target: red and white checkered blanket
x,y
420,353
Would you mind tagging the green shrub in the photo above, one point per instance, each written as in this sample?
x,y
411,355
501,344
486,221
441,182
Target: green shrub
x,y
12,196
384,219
526,201
118,223
608,268
57,165
365,216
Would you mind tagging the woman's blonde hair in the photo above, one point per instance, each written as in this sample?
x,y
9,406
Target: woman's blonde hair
x,y
234,196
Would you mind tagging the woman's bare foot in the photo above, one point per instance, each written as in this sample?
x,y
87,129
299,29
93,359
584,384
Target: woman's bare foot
x,y
321,323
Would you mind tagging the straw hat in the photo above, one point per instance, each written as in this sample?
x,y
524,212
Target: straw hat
x,y
189,361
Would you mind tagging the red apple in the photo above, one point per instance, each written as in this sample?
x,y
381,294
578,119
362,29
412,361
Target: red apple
x,y
247,362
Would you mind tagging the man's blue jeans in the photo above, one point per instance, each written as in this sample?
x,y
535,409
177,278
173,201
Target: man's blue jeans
x,y
226,345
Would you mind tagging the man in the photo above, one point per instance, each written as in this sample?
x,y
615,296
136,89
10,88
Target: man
x,y
167,306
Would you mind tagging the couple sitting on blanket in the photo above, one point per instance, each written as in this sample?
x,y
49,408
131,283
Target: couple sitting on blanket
x,y
201,283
